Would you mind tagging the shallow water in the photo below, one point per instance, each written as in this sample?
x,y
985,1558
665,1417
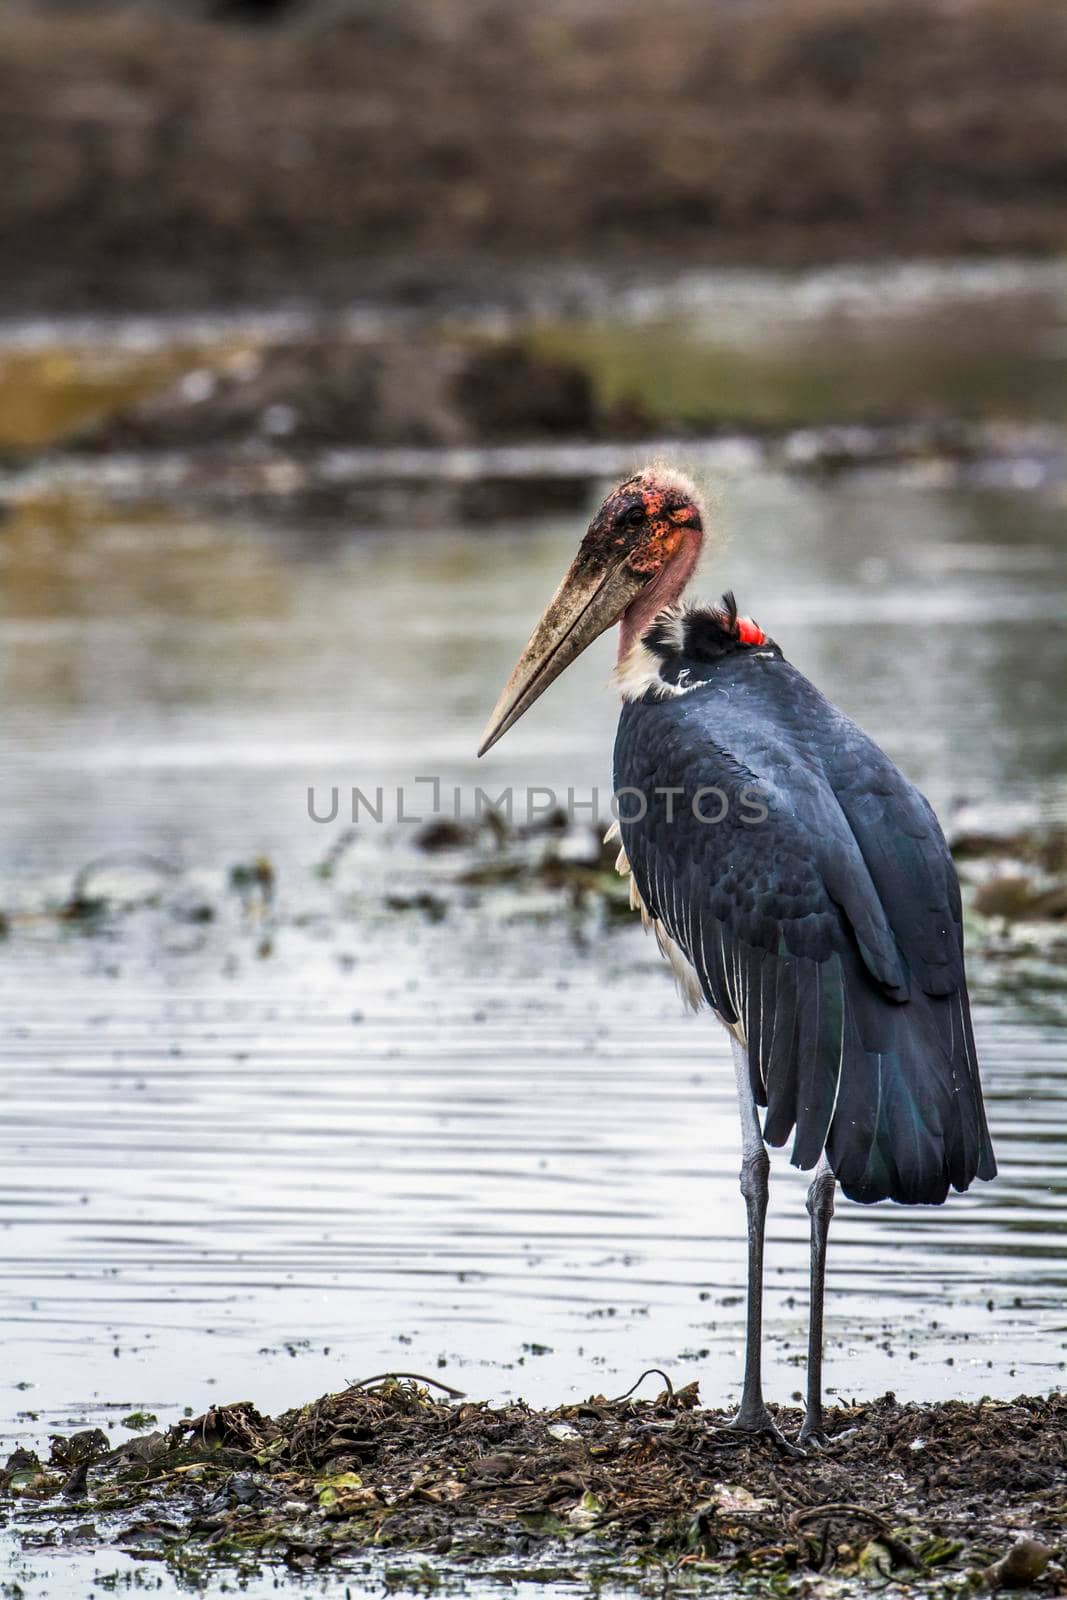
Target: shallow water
x,y
777,349
491,1149
177,684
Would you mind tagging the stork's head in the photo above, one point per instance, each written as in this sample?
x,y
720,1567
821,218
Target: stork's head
x,y
636,558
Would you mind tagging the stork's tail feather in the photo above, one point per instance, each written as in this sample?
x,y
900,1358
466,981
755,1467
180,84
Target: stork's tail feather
x,y
890,1090
909,1121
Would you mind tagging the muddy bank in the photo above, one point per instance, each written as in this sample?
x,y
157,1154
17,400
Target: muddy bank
x,y
329,390
439,426
440,391
928,1495
158,157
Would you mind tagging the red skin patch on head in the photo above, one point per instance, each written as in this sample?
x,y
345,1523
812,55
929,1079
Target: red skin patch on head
x,y
658,545
668,527
748,633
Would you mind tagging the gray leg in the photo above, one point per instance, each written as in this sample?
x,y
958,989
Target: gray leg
x,y
820,1209
753,1416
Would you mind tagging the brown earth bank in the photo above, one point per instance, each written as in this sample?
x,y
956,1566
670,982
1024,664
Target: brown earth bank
x,y
961,1497
159,155
329,390
439,389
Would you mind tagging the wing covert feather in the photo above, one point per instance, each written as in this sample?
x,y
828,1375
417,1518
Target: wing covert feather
x,y
827,931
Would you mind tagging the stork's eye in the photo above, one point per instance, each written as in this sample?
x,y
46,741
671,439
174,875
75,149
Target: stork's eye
x,y
633,518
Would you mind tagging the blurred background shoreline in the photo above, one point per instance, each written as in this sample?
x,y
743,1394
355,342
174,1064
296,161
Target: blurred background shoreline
x,y
253,246
196,154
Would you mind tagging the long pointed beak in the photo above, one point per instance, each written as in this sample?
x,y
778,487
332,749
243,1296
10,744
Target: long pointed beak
x,y
583,607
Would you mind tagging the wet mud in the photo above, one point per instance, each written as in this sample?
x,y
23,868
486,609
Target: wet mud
x,y
332,390
445,392
967,1496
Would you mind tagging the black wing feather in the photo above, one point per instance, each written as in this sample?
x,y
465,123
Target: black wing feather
x,y
831,930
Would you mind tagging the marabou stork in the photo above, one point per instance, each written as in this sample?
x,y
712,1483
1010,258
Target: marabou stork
x,y
799,884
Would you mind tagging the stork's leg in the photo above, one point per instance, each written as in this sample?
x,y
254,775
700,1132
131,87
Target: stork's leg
x,y
820,1209
753,1416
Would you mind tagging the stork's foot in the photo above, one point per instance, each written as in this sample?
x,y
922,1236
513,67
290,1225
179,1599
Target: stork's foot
x,y
813,1436
757,1421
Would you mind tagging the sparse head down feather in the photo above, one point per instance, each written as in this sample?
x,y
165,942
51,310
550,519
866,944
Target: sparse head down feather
x,y
672,482
660,492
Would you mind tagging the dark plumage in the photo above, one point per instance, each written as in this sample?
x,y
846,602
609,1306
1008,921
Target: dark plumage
x,y
798,882
830,929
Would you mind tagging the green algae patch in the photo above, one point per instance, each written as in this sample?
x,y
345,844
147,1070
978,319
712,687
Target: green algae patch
x,y
959,1496
140,1420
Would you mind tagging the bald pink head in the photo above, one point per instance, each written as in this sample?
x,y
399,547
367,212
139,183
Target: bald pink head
x,y
637,556
656,520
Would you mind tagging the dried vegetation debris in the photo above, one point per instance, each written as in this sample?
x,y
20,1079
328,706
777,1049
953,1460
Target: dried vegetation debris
x,y
1015,887
975,1493
1014,882
1019,876
1015,897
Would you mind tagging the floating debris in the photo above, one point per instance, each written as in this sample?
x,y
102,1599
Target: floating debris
x,y
1014,886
